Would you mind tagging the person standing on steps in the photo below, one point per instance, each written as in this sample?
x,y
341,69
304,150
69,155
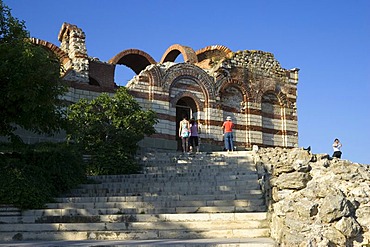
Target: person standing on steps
x,y
184,133
194,136
336,147
227,128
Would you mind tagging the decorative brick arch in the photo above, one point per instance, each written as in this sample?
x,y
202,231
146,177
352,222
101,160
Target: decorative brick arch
x,y
135,59
260,87
237,84
174,51
198,103
155,76
184,70
282,98
209,52
63,56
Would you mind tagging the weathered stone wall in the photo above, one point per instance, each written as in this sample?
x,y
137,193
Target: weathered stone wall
x,y
315,200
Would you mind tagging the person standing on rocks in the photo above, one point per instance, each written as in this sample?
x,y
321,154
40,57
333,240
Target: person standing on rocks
x,y
336,147
227,128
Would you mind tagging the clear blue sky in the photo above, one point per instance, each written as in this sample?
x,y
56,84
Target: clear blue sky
x,y
329,40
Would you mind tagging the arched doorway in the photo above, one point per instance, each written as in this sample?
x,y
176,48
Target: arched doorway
x,y
184,107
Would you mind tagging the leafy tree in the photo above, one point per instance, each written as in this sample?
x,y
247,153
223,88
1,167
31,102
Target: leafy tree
x,y
110,128
30,85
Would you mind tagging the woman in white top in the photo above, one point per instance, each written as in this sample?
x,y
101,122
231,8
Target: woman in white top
x,y
336,147
184,133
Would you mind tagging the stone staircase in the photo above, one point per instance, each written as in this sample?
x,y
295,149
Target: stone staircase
x,y
197,196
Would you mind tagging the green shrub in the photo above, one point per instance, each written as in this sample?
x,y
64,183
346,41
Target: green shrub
x,y
35,174
111,162
21,184
63,163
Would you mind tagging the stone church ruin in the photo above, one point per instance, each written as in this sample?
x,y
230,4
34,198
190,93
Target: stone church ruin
x,y
211,84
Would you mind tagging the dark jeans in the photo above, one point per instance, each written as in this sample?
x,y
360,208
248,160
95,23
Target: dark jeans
x,y
229,145
193,141
337,154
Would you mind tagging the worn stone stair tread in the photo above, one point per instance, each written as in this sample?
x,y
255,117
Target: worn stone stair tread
x,y
146,197
136,226
129,234
163,191
178,203
167,178
172,190
184,168
197,242
92,211
175,186
235,194
178,217
238,179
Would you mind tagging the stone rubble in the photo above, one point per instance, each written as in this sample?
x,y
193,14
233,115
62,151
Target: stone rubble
x,y
315,200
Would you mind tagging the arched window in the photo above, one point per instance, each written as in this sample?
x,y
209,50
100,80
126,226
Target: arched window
x,y
231,98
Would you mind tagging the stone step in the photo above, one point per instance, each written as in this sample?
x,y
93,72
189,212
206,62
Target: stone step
x,y
156,204
148,156
202,169
175,176
244,195
137,235
203,165
8,211
229,242
148,197
166,187
155,192
202,181
169,187
215,154
197,159
144,210
181,174
134,226
203,217
178,171
196,163
181,177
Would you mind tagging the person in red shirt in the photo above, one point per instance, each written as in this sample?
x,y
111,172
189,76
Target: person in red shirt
x,y
227,128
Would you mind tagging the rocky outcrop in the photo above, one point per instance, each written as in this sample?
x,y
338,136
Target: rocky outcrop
x,y
315,200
